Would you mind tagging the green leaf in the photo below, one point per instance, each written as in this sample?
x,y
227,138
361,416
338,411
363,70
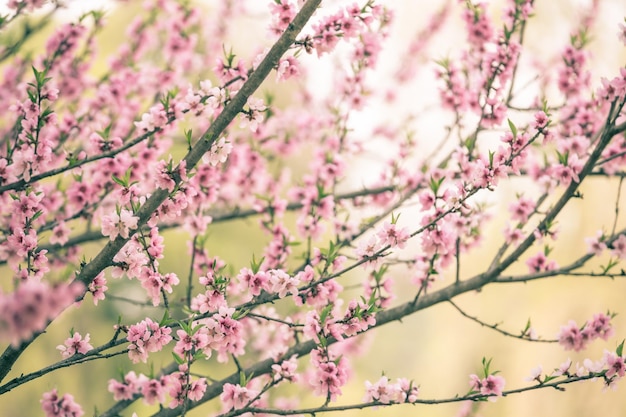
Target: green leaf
x,y
620,349
178,359
324,313
188,134
165,320
513,128
254,265
36,215
435,184
239,314
119,181
486,364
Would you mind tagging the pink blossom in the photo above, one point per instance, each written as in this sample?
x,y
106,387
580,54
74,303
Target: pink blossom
x,y
65,406
390,235
75,344
127,389
120,224
571,337
541,120
492,385
219,152
98,288
153,391
286,370
368,248
595,245
535,374
599,326
615,365
145,337
236,397
60,234
328,376
563,369
381,391
540,263
29,308
619,247
282,283
522,209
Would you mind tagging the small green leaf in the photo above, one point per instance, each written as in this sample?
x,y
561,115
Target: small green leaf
x,y
239,314
512,127
324,313
254,265
620,349
120,181
178,359
165,320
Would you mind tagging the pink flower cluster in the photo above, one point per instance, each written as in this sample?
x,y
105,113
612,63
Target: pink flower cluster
x,y
155,390
75,344
181,388
274,281
573,337
28,309
55,406
491,385
385,392
348,23
119,224
611,366
328,375
145,337
213,298
220,333
236,397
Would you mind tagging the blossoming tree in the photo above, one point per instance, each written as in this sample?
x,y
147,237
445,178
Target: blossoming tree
x,y
96,170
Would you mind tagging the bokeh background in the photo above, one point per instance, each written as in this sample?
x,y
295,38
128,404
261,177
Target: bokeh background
x,y
437,348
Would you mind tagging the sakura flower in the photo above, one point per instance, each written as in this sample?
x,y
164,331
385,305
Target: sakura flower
x,y
390,235
595,245
381,391
619,247
114,224
535,374
541,120
236,397
540,263
615,365
571,337
563,368
368,248
219,152
60,234
153,392
53,406
75,344
492,385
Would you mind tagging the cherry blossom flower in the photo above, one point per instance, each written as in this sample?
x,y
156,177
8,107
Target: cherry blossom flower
x,y
119,224
219,152
75,344
236,397
65,406
615,365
